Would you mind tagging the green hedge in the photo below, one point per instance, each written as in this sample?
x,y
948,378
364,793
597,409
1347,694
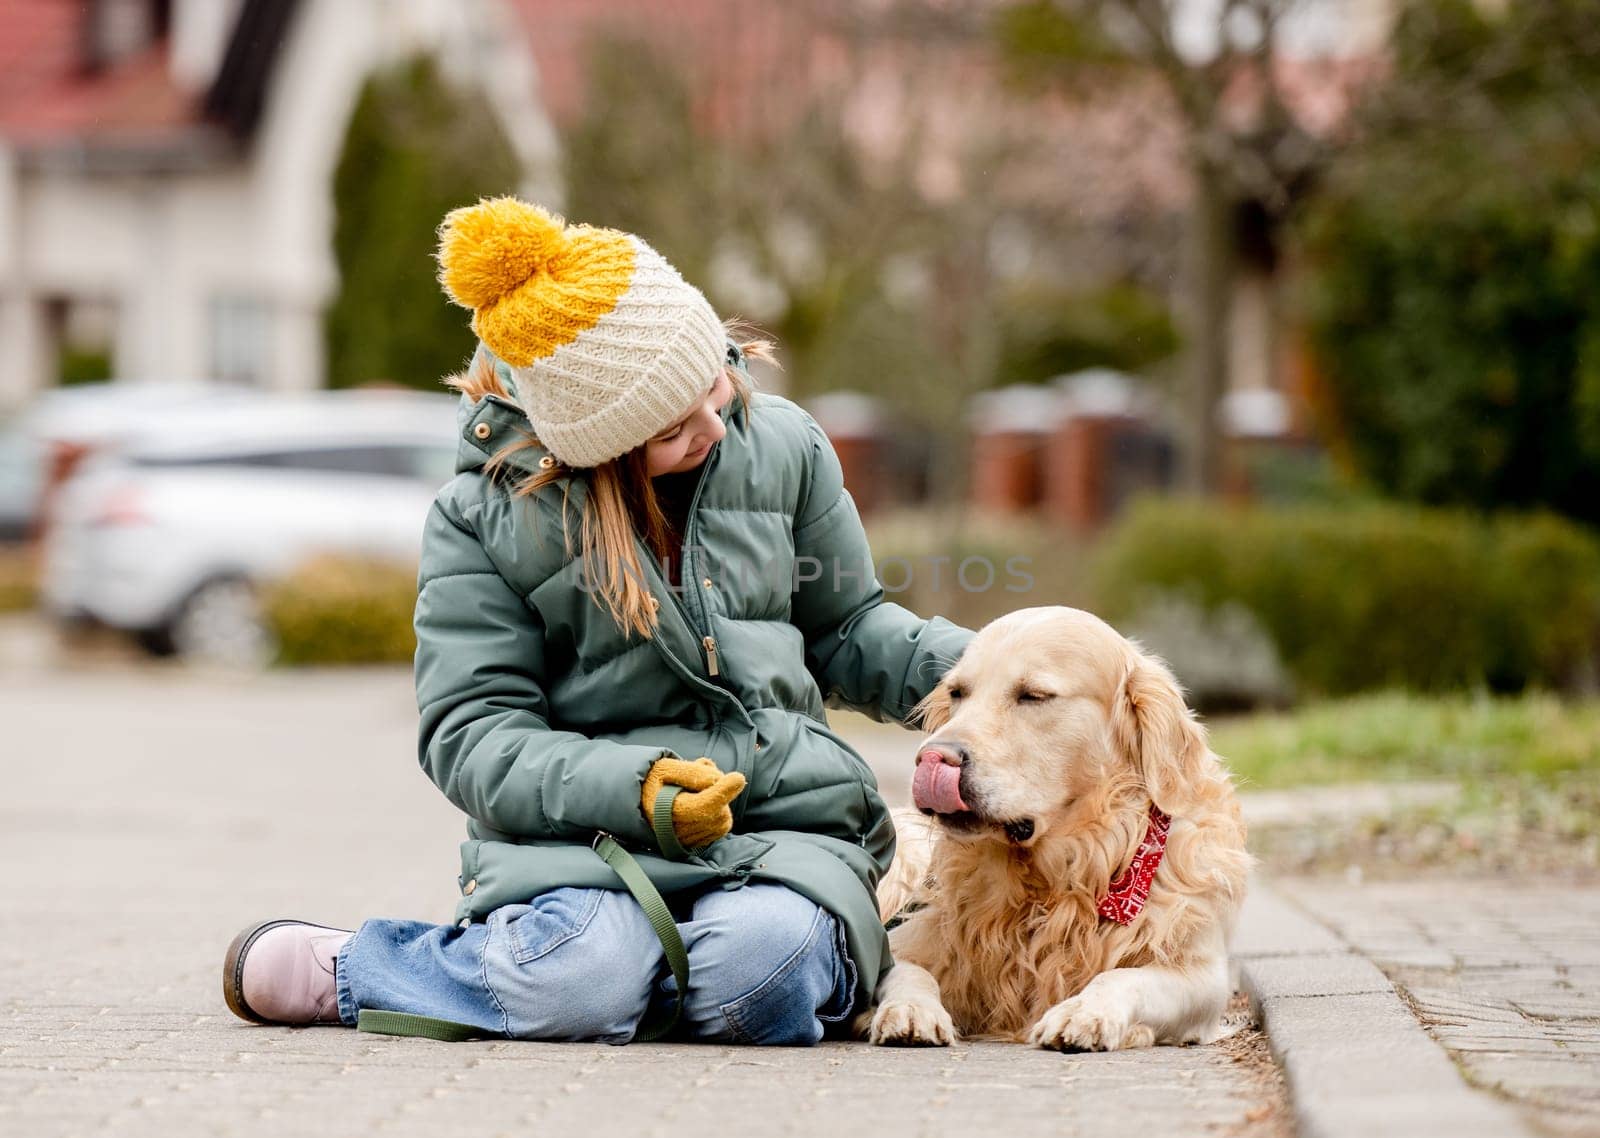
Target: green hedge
x,y
972,567
340,610
1373,597
1452,263
19,579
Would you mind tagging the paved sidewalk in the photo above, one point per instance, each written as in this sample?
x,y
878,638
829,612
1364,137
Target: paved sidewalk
x,y
1505,975
149,814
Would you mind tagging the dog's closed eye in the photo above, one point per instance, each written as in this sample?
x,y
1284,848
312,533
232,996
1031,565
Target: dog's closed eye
x,y
1031,695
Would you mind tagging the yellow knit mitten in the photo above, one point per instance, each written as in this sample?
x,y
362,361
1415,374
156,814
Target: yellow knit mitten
x,y
700,815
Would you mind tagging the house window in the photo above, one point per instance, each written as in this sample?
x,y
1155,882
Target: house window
x,y
118,29
83,331
241,340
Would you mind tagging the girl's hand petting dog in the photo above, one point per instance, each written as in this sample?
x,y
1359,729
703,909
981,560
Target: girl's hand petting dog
x,y
701,814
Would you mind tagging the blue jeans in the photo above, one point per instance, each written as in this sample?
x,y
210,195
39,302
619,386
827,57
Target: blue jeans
x,y
766,965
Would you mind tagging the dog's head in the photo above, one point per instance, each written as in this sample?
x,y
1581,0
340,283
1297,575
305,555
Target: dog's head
x,y
1047,716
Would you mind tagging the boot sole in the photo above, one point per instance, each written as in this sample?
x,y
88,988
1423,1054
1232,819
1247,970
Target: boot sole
x,y
233,969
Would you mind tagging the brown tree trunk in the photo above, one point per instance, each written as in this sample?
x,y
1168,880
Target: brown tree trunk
x,y
1208,270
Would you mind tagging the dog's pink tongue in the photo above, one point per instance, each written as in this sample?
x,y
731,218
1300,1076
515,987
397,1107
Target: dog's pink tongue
x,y
937,785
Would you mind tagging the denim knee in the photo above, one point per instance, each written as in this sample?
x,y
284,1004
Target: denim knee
x,y
766,966
575,964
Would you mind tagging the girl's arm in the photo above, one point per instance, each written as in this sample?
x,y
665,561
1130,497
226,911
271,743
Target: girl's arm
x,y
867,654
485,737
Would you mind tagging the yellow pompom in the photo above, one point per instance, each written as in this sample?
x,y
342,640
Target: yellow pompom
x,y
489,249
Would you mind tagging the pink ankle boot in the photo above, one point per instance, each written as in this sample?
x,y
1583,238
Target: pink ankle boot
x,y
282,972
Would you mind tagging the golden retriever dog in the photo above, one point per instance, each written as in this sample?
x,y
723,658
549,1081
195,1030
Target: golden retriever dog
x,y
1060,757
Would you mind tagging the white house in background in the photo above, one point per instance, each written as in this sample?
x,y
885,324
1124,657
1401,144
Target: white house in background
x,y
166,172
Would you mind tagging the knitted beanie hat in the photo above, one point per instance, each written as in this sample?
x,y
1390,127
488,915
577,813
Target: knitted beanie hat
x,y
608,344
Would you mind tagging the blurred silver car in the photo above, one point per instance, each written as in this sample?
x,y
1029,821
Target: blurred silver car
x,y
42,445
170,532
22,479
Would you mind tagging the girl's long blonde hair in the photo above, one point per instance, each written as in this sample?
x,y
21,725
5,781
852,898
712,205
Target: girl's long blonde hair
x,y
621,499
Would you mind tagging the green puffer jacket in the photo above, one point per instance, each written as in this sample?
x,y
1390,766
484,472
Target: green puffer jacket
x,y
540,717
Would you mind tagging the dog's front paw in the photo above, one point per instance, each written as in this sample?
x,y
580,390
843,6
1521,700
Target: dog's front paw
x,y
1085,1023
912,1023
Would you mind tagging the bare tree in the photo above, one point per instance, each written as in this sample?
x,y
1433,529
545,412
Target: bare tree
x,y
1249,157
876,284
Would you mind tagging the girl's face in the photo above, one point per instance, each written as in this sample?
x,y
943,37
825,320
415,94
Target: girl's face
x,y
685,444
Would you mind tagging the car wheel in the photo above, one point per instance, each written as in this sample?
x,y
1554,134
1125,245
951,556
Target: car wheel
x,y
156,641
222,624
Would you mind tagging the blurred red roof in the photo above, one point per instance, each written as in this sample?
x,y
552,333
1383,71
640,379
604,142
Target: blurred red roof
x,y
741,58
751,67
48,92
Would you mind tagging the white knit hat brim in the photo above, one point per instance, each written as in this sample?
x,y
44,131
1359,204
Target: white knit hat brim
x,y
642,367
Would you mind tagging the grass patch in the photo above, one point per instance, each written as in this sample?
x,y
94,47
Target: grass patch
x,y
1526,766
1394,736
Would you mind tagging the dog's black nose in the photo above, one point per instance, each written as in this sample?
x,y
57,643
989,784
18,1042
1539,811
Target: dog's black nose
x,y
1020,830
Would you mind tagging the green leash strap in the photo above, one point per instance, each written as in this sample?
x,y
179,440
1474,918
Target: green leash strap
x,y
660,918
422,1027
661,823
638,883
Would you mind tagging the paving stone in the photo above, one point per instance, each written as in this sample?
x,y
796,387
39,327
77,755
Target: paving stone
x,y
1344,974
1360,1066
1463,1040
1564,1007
1440,1006
1357,1060
177,809
1515,1015
1269,926
1420,957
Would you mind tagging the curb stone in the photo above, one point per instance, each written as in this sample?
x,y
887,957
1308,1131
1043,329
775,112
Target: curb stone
x,y
1358,1063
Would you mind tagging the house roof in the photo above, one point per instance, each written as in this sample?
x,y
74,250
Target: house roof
x,y
39,49
131,110
743,60
751,67
48,93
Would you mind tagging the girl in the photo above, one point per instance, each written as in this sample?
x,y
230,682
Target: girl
x,y
634,601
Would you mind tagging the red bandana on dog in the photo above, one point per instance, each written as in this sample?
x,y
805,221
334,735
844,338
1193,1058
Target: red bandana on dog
x,y
1126,897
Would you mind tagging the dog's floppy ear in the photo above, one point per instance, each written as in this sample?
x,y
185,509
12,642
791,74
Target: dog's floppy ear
x,y
932,710
1153,727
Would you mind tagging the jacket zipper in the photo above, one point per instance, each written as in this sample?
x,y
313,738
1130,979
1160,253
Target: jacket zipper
x,y
707,641
686,569
673,660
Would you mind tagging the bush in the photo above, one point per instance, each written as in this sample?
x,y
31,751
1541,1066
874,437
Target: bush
x,y
972,568
342,610
19,583
1453,262
1373,597
1226,658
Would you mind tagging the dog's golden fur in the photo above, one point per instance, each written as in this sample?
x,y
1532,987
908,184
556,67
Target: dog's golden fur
x,y
1008,929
